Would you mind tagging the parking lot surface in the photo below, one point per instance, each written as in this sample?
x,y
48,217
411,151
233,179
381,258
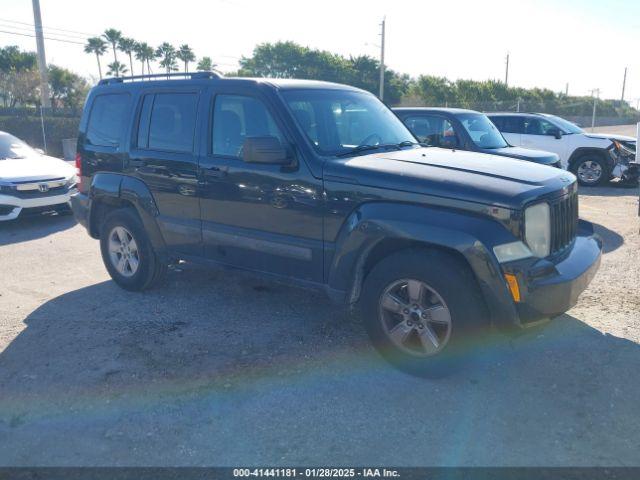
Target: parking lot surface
x,y
218,368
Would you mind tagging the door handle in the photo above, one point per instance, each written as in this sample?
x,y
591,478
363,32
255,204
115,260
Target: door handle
x,y
214,172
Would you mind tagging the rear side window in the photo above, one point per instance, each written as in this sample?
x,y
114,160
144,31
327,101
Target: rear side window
x,y
172,124
108,115
509,124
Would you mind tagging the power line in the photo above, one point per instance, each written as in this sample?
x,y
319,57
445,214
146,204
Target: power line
x,y
30,29
46,38
49,28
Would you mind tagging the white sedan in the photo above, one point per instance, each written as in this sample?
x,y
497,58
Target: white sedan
x,y
31,182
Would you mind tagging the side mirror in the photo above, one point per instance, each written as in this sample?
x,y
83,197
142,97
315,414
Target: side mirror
x,y
265,150
39,150
556,132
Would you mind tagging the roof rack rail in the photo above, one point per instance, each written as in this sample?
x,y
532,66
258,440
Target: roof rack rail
x,y
160,76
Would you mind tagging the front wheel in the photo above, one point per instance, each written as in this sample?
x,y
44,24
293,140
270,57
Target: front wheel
x,y
591,170
420,308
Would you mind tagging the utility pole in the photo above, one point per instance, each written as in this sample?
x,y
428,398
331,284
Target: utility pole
x,y
382,59
506,73
566,90
624,83
594,92
42,60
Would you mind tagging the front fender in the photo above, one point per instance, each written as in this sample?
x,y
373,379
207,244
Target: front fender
x,y
471,236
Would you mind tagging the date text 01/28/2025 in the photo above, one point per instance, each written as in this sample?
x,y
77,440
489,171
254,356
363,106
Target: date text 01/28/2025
x,y
316,472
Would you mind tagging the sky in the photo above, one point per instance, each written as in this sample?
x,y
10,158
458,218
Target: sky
x,y
585,43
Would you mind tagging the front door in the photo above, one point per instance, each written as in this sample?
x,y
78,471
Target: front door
x,y
257,216
539,134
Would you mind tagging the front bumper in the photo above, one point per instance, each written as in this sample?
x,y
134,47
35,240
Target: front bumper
x,y
11,206
550,287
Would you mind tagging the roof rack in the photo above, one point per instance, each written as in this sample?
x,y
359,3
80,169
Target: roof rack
x,y
160,76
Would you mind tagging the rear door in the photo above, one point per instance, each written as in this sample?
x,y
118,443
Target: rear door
x,y
164,156
511,127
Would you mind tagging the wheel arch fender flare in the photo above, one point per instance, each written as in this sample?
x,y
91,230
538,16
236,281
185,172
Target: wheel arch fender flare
x,y
117,190
581,151
462,234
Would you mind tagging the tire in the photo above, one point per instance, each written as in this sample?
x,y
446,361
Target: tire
x,y
591,170
149,268
445,282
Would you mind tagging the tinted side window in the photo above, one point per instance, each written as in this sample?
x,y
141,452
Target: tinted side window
x,y
509,124
108,114
173,122
537,126
237,117
431,129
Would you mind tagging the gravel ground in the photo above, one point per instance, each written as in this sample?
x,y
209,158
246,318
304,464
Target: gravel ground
x,y
217,368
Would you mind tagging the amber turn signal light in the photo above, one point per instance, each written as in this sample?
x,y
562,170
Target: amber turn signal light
x,y
514,288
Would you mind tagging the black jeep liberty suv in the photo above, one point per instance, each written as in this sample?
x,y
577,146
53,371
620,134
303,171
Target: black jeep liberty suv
x,y
322,185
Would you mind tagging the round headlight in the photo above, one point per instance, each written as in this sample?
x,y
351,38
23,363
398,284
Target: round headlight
x,y
537,228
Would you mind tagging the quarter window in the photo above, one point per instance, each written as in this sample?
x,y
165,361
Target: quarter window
x,y
172,123
236,118
108,116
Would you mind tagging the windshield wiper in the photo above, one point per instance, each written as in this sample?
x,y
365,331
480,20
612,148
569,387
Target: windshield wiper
x,y
359,148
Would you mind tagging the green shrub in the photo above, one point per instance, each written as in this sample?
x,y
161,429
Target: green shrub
x,y
29,129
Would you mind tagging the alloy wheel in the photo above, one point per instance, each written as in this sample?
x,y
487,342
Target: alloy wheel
x,y
123,251
415,318
589,172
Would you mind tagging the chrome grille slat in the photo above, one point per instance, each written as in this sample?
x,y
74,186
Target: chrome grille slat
x,y
564,222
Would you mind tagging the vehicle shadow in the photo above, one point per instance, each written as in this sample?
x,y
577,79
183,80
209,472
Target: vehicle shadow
x,y
33,227
611,240
216,368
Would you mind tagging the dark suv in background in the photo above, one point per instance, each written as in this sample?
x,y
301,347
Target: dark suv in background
x,y
321,185
466,130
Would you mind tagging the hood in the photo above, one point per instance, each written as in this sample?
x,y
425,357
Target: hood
x,y
607,136
537,156
454,174
34,168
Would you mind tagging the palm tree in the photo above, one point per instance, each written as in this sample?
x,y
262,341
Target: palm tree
x,y
116,69
145,53
128,45
167,54
98,46
206,64
185,54
113,36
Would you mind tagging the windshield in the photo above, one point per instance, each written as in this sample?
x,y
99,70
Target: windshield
x,y
339,121
12,147
565,125
482,131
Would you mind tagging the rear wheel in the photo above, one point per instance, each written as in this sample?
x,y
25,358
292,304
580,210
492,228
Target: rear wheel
x,y
591,170
420,309
127,252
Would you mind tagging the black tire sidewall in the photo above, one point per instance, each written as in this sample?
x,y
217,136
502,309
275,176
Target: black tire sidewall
x,y
146,270
457,288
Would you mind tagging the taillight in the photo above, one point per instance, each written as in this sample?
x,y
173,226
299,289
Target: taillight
x,y
79,171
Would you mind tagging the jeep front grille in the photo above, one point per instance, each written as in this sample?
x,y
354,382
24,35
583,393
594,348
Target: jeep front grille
x,y
564,222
